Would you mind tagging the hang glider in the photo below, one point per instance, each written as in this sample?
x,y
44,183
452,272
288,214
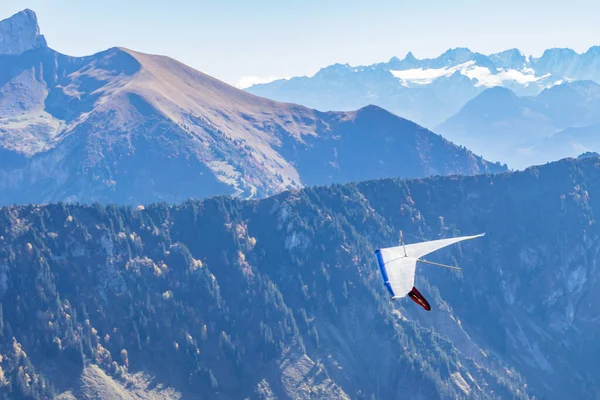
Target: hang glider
x,y
398,265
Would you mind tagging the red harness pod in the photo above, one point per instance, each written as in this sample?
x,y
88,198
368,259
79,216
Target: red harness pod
x,y
418,298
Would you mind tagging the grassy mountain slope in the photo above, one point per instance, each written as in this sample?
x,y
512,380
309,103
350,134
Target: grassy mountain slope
x,y
126,127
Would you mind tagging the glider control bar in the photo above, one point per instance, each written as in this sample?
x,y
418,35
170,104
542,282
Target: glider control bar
x,y
436,264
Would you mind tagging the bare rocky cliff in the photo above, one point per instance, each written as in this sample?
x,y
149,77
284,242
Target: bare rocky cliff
x,y
20,33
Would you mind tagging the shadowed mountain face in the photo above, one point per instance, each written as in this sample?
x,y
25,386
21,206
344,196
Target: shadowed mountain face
x,y
125,127
282,297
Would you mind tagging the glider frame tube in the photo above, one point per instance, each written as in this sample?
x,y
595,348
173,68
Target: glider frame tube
x,y
386,280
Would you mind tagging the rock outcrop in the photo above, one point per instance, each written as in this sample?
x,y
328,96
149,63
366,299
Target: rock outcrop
x,y
20,33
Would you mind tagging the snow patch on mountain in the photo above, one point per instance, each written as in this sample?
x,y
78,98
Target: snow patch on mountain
x,y
559,82
482,75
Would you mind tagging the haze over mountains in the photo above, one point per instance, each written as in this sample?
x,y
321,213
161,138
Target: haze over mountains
x,y
561,121
125,127
449,94
428,91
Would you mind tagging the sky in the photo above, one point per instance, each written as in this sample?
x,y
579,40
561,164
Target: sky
x,y
243,41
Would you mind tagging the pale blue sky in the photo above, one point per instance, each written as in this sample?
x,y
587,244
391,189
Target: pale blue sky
x,y
276,38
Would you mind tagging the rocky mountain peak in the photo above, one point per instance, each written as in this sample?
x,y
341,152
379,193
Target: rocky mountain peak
x,y
410,57
588,154
20,33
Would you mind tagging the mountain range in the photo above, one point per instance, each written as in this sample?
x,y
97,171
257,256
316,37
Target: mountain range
x,y
125,127
455,93
428,91
282,298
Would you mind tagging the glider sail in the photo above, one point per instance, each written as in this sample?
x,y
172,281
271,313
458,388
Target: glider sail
x,y
398,264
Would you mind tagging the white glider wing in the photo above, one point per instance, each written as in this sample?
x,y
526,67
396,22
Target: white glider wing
x,y
398,264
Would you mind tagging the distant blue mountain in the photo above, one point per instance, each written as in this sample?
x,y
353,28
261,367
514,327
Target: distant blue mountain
x,y
559,122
